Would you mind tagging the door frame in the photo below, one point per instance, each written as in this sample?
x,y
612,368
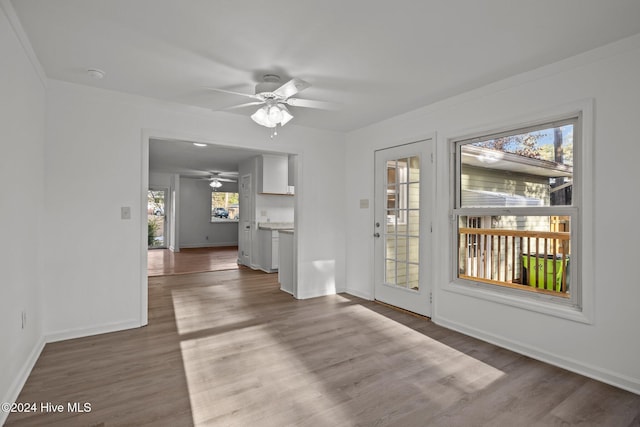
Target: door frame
x,y
427,216
146,135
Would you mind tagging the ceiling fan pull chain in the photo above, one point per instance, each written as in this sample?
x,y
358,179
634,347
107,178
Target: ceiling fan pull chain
x,y
274,133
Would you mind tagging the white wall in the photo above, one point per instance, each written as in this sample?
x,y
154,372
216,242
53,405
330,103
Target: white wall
x,y
160,179
95,166
22,209
272,208
196,228
608,348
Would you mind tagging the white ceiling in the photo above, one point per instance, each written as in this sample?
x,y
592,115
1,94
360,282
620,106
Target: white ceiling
x,y
375,58
186,159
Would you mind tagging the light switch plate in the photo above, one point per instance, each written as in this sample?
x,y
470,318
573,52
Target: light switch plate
x,y
125,212
364,203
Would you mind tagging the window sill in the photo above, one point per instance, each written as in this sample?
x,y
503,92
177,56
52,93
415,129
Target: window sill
x,y
538,303
224,221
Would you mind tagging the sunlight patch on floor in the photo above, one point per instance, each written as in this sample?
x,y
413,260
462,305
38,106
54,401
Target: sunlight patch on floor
x,y
201,309
245,369
229,377
415,345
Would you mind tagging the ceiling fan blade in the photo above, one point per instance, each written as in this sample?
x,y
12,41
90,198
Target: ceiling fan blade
x,y
248,95
244,105
308,103
291,87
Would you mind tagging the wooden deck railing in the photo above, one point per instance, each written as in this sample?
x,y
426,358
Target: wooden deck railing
x,y
532,260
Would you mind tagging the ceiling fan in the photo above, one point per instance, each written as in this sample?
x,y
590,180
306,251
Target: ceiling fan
x,y
275,97
217,178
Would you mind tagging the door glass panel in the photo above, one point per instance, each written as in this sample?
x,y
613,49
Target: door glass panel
x,y
391,172
413,277
414,169
401,272
390,268
402,243
403,169
401,248
391,198
402,196
413,223
414,249
414,195
391,221
390,247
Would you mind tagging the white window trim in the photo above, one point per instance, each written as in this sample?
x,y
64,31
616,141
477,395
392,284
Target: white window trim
x,y
582,230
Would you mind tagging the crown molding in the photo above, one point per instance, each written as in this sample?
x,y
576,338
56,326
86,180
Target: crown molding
x,y
15,23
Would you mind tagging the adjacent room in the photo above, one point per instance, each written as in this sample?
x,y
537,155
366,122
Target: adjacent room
x,y
319,213
213,207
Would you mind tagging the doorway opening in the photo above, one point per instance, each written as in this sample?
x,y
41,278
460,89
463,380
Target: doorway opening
x,y
157,218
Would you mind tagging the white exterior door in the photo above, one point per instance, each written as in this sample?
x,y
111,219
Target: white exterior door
x,y
404,191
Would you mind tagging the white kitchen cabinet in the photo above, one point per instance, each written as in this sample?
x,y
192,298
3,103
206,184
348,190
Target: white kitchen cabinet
x,y
273,174
269,251
286,271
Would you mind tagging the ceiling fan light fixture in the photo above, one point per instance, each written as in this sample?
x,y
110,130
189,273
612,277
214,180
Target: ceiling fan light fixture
x,y
215,184
272,115
286,117
261,117
275,114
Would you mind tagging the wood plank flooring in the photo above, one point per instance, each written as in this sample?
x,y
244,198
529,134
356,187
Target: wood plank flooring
x,y
163,262
229,349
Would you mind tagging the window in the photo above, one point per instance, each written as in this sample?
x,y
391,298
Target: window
x,y
225,206
515,214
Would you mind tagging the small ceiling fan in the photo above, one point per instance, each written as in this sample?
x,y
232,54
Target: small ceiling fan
x,y
274,98
217,178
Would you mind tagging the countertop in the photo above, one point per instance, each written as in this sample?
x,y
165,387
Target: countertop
x,y
275,225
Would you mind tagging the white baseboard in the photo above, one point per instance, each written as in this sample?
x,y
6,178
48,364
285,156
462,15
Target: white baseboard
x,y
594,372
207,245
285,291
69,334
308,295
21,377
359,294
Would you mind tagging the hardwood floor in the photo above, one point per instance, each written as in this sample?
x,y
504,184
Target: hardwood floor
x,y
229,348
163,262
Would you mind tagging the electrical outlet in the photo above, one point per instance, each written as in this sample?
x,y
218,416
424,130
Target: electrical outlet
x,y
125,212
